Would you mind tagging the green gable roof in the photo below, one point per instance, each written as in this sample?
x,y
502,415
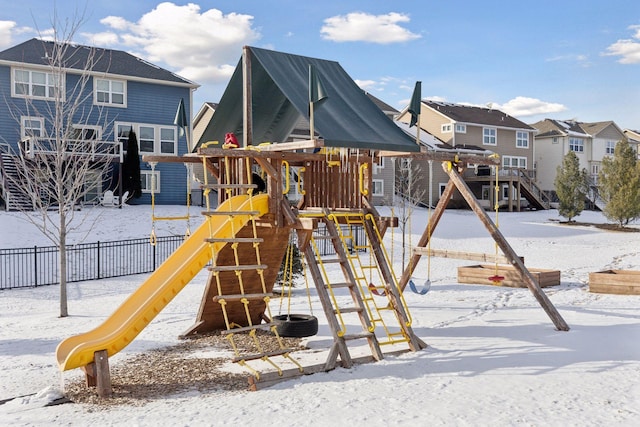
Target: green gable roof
x,y
280,87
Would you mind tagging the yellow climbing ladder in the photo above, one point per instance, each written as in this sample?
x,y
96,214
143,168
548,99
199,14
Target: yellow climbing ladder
x,y
241,265
374,285
359,301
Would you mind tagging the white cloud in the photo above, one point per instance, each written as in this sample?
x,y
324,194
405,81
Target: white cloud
x,y
106,38
202,46
522,106
366,85
627,49
358,26
8,29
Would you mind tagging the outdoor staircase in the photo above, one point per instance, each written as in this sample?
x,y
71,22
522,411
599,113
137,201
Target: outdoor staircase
x,y
530,191
594,195
14,197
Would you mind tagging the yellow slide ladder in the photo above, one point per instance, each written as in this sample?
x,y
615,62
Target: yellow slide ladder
x,y
379,300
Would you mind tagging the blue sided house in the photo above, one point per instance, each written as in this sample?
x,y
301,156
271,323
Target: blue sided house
x,y
121,92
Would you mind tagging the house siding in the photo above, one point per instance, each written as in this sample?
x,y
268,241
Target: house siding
x,y
147,103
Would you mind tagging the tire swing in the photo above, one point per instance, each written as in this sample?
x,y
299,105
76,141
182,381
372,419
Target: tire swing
x,y
294,325
424,289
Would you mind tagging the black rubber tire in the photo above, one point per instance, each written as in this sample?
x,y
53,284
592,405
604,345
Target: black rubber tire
x,y
296,325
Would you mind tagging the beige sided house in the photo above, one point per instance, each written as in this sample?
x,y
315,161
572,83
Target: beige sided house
x,y
463,127
591,142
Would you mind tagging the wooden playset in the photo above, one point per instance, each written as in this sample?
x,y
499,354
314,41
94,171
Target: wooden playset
x,y
245,236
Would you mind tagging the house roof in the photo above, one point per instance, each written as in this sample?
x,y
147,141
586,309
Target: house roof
x,y
117,62
550,127
280,87
476,115
433,143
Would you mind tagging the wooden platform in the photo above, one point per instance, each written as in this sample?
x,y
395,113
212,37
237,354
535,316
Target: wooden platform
x,y
479,275
621,282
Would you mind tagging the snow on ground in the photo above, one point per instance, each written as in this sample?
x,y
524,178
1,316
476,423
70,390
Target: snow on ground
x,y
494,357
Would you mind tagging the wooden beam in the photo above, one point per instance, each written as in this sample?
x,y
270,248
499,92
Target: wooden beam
x,y
470,256
295,145
247,99
543,300
444,156
189,158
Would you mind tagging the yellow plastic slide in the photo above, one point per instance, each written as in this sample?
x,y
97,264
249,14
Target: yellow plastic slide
x,y
137,311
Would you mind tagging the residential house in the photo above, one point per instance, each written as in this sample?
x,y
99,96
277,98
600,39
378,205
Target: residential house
x,y
474,129
633,136
591,142
127,93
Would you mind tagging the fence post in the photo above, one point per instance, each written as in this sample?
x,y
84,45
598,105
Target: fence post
x,y
35,265
98,257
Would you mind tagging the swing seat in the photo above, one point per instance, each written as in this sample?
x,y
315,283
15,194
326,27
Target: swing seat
x,y
374,290
296,325
496,279
423,290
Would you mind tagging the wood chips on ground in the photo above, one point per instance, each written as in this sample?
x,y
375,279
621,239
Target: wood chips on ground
x,y
177,369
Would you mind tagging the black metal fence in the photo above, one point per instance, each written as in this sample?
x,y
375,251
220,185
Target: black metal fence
x,y
38,265
325,247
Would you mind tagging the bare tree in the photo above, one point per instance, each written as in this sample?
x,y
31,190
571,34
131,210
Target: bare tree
x,y
59,164
409,193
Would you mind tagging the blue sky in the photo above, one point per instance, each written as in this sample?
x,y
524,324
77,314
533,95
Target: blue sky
x,y
559,59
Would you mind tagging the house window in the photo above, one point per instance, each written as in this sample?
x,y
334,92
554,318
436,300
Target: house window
x,y
110,92
486,192
86,133
150,180
152,139
595,169
555,140
378,187
446,128
92,186
514,162
505,191
576,144
146,139
122,135
167,140
31,126
35,84
522,139
489,136
461,128
377,167
610,147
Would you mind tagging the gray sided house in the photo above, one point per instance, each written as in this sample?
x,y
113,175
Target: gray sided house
x,y
591,142
465,128
123,93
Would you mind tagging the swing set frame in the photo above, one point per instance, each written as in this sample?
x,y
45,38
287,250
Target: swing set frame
x,y
454,169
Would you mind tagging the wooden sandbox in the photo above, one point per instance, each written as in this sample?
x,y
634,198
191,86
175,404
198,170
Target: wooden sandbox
x,y
479,275
622,282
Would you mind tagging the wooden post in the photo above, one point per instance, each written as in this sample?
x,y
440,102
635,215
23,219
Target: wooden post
x,y
247,99
103,377
97,373
508,251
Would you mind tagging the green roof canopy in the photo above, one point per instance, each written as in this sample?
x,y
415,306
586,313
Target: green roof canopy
x,y
280,95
